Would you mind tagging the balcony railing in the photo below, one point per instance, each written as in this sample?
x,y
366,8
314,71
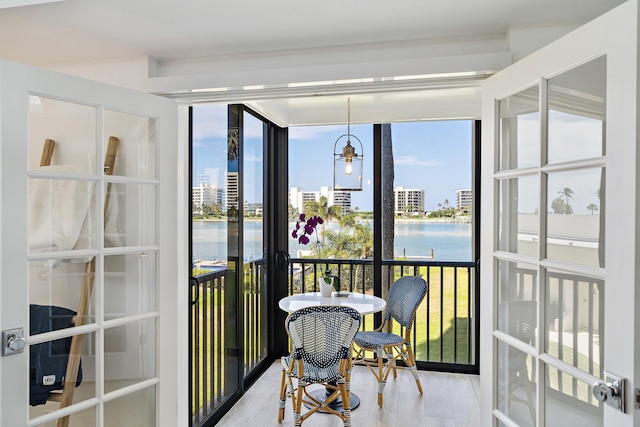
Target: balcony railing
x,y
444,334
444,329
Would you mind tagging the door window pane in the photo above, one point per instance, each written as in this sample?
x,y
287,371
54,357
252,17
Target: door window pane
x,y
569,401
519,145
134,409
48,360
254,296
575,319
130,215
517,300
516,385
137,139
518,227
129,284
575,217
577,113
60,282
72,128
129,354
62,213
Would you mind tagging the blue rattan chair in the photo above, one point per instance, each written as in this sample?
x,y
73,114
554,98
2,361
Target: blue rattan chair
x,y
404,297
321,339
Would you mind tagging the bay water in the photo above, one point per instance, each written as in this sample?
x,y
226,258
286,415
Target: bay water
x,y
413,239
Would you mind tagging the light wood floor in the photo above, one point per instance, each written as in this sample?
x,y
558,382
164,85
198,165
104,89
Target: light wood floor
x,y
449,400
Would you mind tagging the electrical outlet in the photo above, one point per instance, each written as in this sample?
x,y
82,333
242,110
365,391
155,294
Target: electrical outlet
x,y
48,380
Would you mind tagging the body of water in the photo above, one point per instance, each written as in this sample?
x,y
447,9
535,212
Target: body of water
x,y
449,242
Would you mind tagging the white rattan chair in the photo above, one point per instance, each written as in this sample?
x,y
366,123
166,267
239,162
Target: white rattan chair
x,y
403,300
321,339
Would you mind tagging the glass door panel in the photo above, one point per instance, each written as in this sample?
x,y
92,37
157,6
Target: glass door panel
x,y
211,210
253,271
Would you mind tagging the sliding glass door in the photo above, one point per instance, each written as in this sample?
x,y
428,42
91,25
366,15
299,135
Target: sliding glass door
x,y
229,256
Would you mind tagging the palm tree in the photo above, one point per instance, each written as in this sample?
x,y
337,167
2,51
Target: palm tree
x,y
322,209
388,201
567,193
592,207
348,220
233,144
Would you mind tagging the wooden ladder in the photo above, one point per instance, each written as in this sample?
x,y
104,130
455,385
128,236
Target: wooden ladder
x,y
65,397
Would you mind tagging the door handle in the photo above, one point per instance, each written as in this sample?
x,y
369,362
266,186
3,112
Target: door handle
x,y
194,289
281,260
13,341
611,391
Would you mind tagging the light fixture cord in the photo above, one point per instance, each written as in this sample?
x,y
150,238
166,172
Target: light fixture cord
x,y
348,118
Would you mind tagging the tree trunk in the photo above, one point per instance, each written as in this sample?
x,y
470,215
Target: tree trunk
x,y
387,206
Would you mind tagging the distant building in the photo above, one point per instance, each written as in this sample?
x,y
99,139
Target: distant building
x,y
464,199
408,200
298,198
207,195
253,209
232,190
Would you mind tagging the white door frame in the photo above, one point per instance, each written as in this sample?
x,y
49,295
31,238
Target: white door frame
x,y
616,35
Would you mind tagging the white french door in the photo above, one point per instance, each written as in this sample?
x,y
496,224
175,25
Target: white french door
x,y
89,262
560,254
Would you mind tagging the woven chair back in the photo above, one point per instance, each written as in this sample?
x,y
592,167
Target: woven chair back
x,y
403,300
322,335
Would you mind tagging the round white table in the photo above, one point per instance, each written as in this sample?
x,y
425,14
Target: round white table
x,y
363,303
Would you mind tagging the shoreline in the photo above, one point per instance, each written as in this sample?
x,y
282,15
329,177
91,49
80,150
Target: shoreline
x,y
459,220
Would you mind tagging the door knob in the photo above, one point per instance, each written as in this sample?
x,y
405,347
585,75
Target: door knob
x,y
13,341
611,391
604,392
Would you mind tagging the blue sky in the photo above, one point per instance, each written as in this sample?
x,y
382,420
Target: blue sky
x,y
434,156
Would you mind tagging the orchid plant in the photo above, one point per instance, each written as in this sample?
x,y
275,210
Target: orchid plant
x,y
305,228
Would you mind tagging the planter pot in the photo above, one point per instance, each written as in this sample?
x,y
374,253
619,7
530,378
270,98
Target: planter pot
x,y
326,289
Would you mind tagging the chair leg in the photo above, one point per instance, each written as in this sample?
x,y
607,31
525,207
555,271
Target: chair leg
x,y
382,381
411,364
297,409
283,395
346,404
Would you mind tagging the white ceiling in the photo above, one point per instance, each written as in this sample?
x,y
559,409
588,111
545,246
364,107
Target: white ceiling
x,y
55,34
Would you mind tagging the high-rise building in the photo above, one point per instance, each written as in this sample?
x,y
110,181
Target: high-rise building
x,y
298,198
408,200
207,195
464,198
232,190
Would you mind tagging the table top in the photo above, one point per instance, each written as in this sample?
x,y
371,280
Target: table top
x,y
363,303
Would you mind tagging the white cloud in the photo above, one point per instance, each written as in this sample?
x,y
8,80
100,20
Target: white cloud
x,y
415,161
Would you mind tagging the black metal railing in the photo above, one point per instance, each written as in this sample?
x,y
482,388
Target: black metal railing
x,y
207,351
444,334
